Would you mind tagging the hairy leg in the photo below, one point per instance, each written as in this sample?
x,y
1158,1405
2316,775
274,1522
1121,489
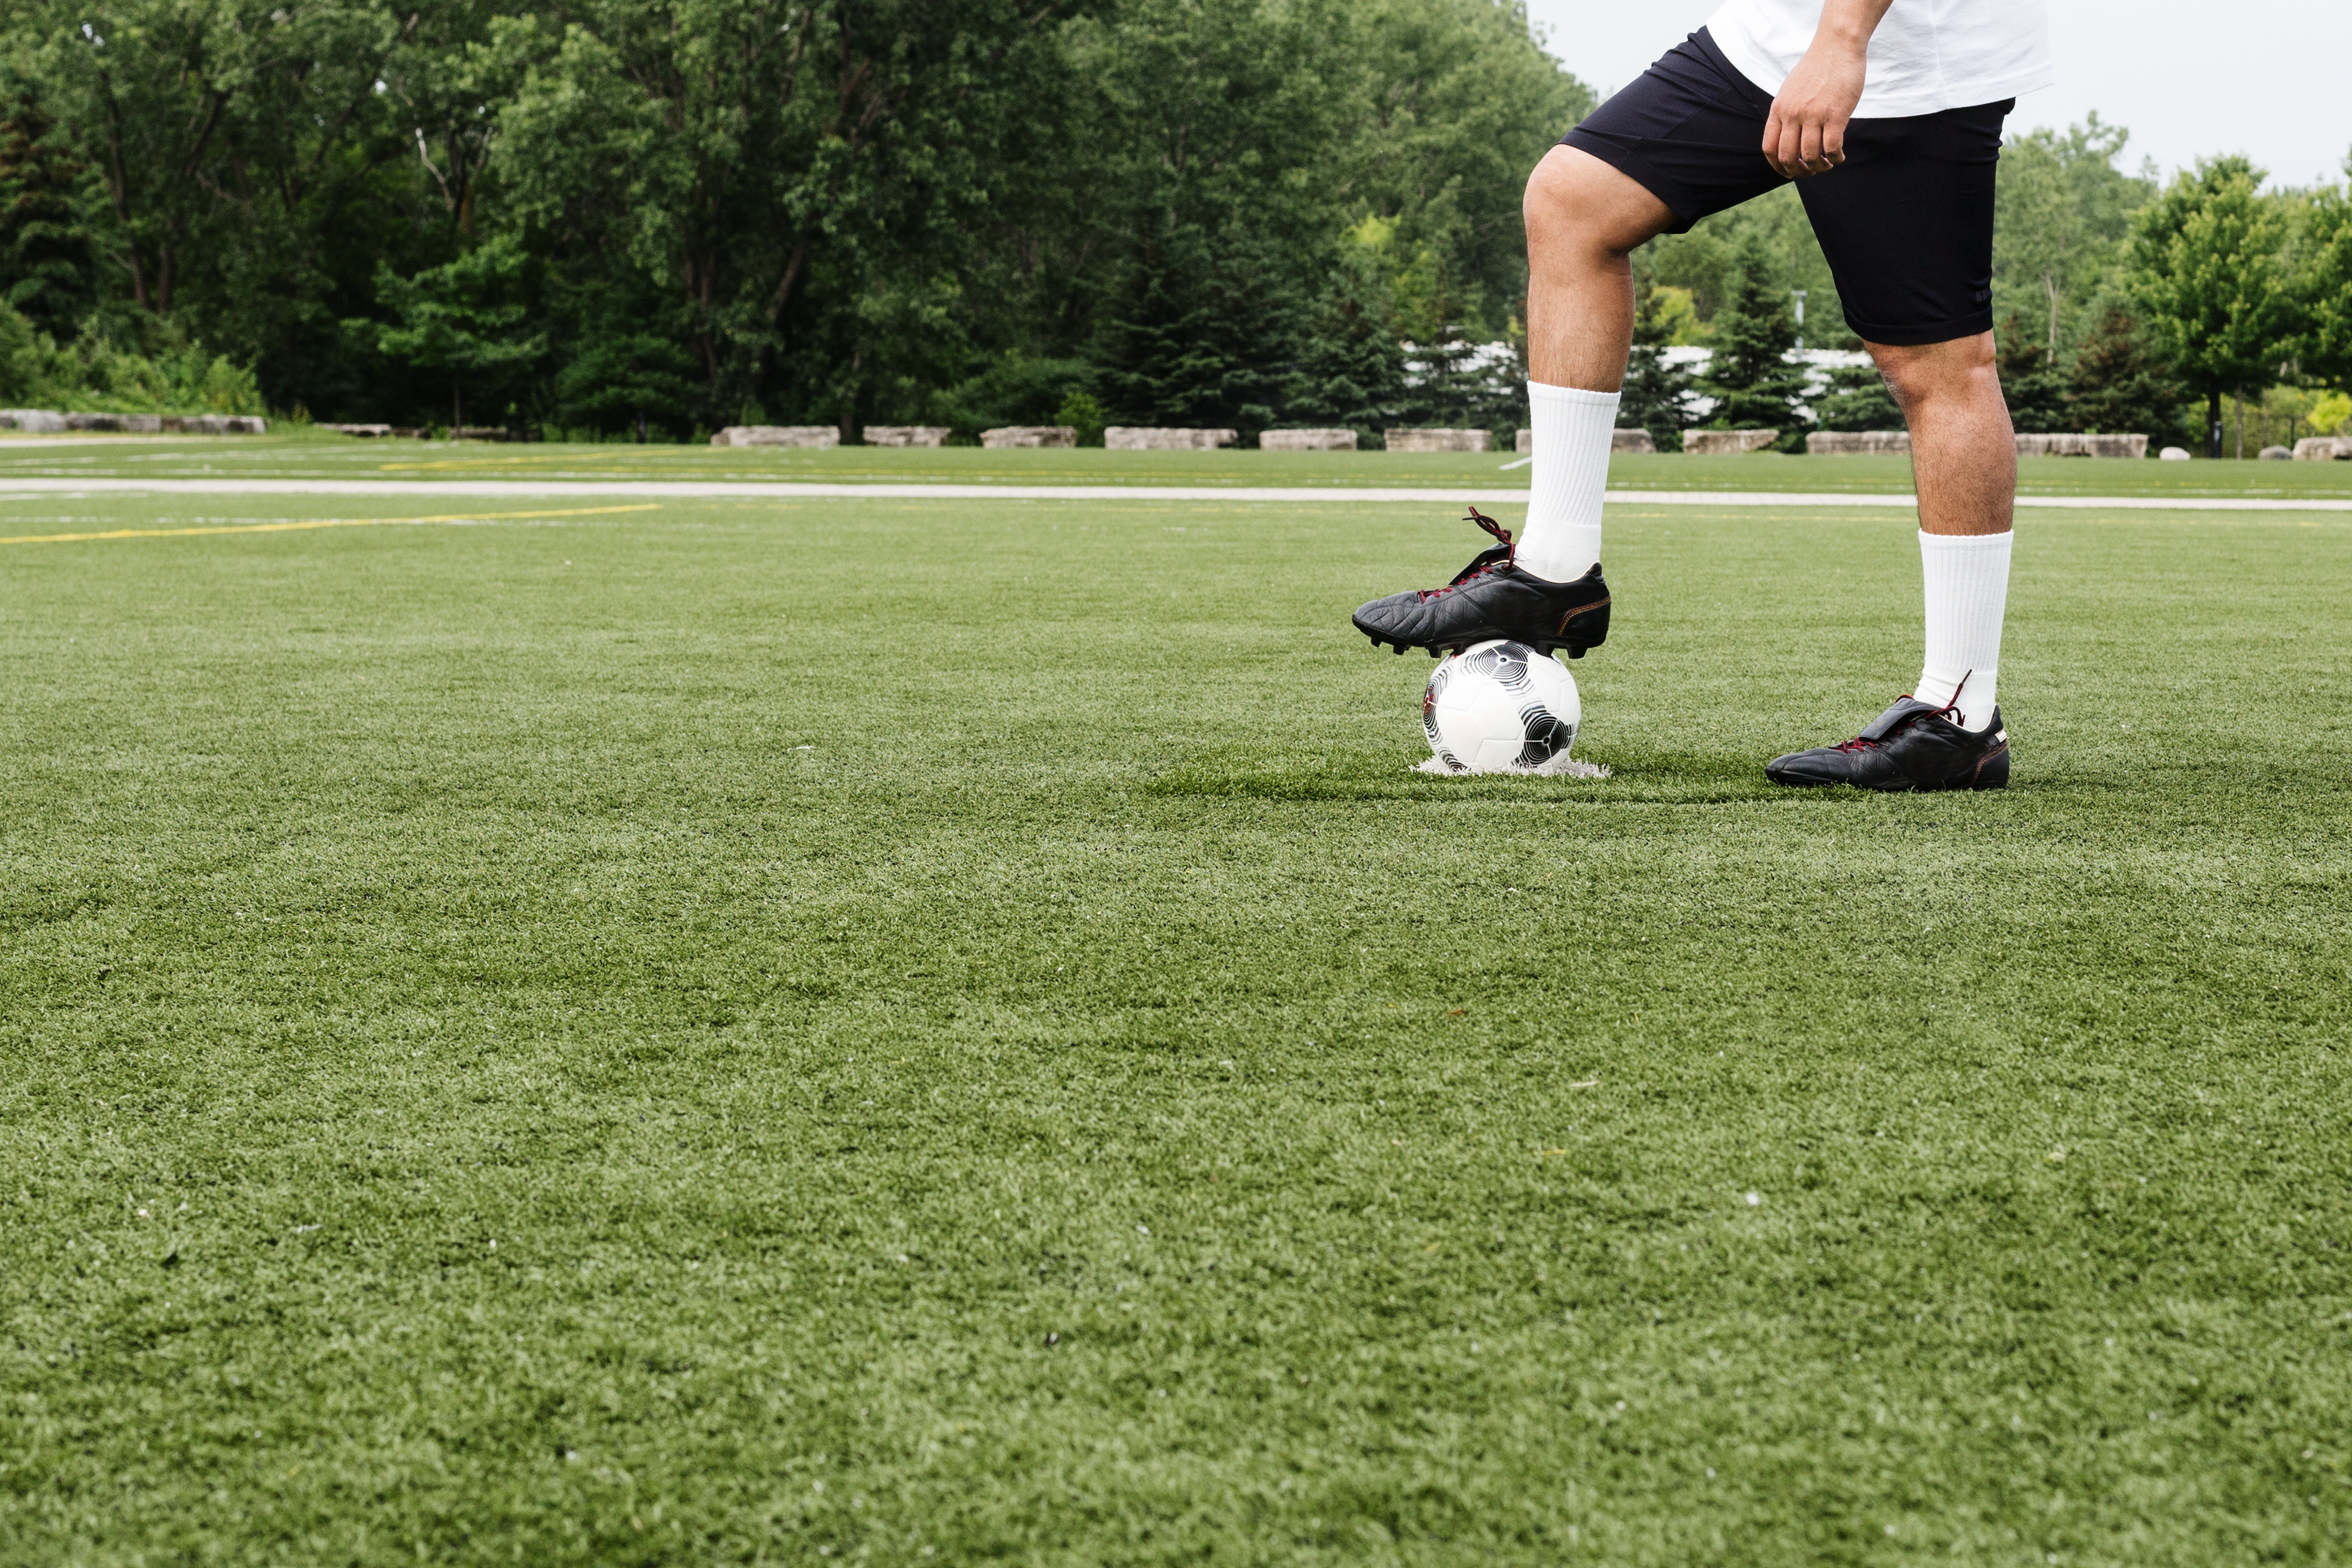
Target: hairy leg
x,y
1584,219
1963,451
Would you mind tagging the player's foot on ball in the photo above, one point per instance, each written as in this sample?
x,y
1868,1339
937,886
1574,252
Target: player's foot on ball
x,y
1493,598
1911,746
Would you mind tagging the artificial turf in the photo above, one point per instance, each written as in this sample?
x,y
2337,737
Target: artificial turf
x,y
948,1032
317,454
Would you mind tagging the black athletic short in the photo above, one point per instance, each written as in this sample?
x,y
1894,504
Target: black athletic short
x,y
1906,221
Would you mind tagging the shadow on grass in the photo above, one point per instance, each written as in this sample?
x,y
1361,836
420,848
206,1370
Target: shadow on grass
x,y
1386,773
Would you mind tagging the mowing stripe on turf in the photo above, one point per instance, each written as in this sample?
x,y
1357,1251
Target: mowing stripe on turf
x,y
316,523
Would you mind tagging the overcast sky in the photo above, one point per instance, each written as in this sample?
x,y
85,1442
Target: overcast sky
x,y
2273,81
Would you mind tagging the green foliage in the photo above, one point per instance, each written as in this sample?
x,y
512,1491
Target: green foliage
x,y
2031,380
1857,399
1012,389
2121,381
46,270
469,319
2063,211
1657,393
1081,413
1200,334
1351,363
95,373
1705,264
1753,383
2207,275
840,210
2324,287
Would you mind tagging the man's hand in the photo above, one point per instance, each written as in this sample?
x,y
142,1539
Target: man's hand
x,y
1806,131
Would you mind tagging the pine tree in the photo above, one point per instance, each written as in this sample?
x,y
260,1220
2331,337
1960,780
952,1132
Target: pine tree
x,y
1199,337
1754,385
46,270
1857,399
2121,385
1656,395
2031,380
1351,366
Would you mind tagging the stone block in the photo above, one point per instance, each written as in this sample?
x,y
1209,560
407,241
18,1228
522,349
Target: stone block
x,y
2063,445
905,435
2310,450
1306,441
1166,438
31,420
1030,436
2174,455
1858,443
1639,441
119,424
1431,439
2275,454
1724,443
816,435
229,424
364,432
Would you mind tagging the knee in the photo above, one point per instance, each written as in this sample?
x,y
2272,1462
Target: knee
x,y
1960,369
1575,202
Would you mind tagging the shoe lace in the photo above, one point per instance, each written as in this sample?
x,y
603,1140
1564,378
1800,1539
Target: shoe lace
x,y
1950,712
1480,565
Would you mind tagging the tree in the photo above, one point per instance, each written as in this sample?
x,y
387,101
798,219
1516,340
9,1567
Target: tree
x,y
2120,382
1857,399
46,269
2031,380
2206,270
1656,395
2324,285
1750,378
467,320
2063,210
1351,364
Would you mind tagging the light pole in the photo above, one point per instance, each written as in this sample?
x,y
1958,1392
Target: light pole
x,y
1800,293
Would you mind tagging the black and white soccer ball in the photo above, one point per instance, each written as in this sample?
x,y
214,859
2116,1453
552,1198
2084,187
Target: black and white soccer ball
x,y
1500,708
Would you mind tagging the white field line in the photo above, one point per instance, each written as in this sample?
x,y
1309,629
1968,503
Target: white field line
x,y
755,490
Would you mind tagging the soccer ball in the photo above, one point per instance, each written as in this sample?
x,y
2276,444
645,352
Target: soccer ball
x,y
1500,707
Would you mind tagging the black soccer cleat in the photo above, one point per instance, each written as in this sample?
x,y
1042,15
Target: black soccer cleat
x,y
1493,598
1911,746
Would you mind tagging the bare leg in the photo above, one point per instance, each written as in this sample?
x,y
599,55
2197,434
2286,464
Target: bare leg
x,y
1963,451
1584,220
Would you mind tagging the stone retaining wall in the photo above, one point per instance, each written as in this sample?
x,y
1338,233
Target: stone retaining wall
x,y
905,435
816,435
1618,441
1720,443
2323,448
1030,436
1436,440
1306,441
49,421
1166,438
1858,443
2082,446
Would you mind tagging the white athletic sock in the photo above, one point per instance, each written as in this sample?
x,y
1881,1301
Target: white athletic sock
x,y
1562,541
1967,589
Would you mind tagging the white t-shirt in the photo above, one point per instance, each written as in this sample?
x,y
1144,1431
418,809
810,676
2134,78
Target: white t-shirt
x,y
1927,54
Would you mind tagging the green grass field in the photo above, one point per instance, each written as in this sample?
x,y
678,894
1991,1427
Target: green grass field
x,y
947,1033
321,455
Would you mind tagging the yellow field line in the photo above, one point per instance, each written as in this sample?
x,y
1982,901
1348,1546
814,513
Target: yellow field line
x,y
314,522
